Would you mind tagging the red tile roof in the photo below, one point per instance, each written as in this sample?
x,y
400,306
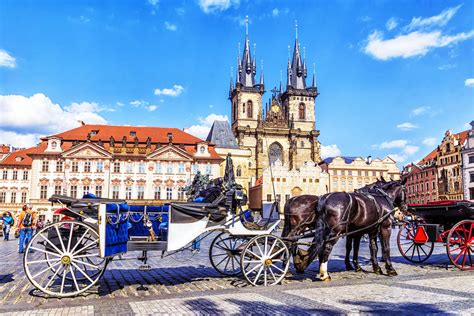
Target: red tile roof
x,y
4,149
461,137
104,132
19,158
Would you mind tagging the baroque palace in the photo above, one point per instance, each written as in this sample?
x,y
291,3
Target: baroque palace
x,y
125,162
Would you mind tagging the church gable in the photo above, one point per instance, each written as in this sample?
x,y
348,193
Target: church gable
x,y
170,153
86,150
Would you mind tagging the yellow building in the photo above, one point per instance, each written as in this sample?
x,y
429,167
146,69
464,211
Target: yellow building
x,y
350,173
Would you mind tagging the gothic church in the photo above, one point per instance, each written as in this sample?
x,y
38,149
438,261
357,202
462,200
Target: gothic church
x,y
283,129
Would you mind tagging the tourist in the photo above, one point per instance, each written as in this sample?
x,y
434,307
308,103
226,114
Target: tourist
x,y
26,224
8,222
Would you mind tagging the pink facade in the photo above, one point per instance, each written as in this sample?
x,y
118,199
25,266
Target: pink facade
x,y
422,183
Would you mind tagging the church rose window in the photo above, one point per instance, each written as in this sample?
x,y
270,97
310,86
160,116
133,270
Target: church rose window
x,y
249,109
276,153
302,111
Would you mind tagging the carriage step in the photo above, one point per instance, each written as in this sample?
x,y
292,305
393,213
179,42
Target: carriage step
x,y
144,267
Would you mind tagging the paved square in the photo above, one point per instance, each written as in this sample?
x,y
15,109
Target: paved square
x,y
218,304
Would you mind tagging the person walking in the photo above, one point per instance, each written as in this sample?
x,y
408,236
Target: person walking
x,y
26,223
8,222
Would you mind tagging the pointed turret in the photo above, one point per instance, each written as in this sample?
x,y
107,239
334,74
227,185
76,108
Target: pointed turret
x,y
262,79
231,87
247,66
297,75
313,85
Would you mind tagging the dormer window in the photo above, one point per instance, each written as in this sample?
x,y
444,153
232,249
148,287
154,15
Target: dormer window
x,y
94,132
18,158
202,149
133,133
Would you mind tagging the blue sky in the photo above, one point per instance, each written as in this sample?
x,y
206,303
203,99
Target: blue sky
x,y
393,75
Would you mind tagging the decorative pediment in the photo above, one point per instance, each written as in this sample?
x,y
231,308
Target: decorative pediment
x,y
170,153
74,181
86,181
99,181
141,182
86,150
58,181
157,182
44,181
169,182
116,181
129,181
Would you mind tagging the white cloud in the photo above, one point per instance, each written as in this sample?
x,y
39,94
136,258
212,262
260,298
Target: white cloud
x,y
438,20
447,66
19,140
154,2
391,23
202,129
26,118
411,44
120,104
420,110
275,12
330,151
211,6
7,60
407,126
402,156
170,26
398,143
151,108
430,141
172,92
137,103
469,82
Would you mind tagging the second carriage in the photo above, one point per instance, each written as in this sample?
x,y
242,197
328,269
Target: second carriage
x,y
450,223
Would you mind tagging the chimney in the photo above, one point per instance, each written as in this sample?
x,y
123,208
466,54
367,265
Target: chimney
x,y
170,138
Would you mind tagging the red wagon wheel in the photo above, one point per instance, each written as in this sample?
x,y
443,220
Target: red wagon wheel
x,y
460,245
411,250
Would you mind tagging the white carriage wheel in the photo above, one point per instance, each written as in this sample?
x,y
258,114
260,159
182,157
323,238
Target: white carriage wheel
x,y
63,260
265,260
224,253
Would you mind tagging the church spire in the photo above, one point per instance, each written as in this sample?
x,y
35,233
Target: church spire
x,y
313,85
297,75
247,65
262,79
281,84
231,87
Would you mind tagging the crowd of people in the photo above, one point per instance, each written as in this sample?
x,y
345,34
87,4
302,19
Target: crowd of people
x,y
26,223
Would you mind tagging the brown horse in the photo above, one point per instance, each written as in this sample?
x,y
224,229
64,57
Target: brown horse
x,y
340,213
300,214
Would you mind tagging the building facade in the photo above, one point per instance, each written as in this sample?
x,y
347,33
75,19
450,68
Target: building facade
x,y
349,173
422,182
467,153
284,128
449,165
149,164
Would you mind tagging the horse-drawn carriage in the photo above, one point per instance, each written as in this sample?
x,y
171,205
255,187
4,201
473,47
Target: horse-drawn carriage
x,y
447,222
68,257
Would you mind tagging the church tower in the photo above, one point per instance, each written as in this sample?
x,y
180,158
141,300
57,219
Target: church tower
x,y
246,95
299,100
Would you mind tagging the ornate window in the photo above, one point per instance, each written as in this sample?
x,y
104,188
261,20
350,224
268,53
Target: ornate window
x,y
73,191
87,166
98,190
13,197
140,192
157,194
58,189
115,192
276,152
23,197
239,171
169,193
5,175
44,192
15,175
3,195
59,166
128,192
249,109
302,111
45,166
100,166
75,166
116,166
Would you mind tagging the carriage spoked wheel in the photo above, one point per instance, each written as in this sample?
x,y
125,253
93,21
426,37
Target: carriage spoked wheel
x,y
63,260
225,252
412,251
265,260
460,245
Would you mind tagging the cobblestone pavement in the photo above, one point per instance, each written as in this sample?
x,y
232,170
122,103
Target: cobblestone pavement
x,y
187,284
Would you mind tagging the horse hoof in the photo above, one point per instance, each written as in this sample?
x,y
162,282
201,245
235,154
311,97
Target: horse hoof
x,y
359,269
392,273
378,271
349,267
325,278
